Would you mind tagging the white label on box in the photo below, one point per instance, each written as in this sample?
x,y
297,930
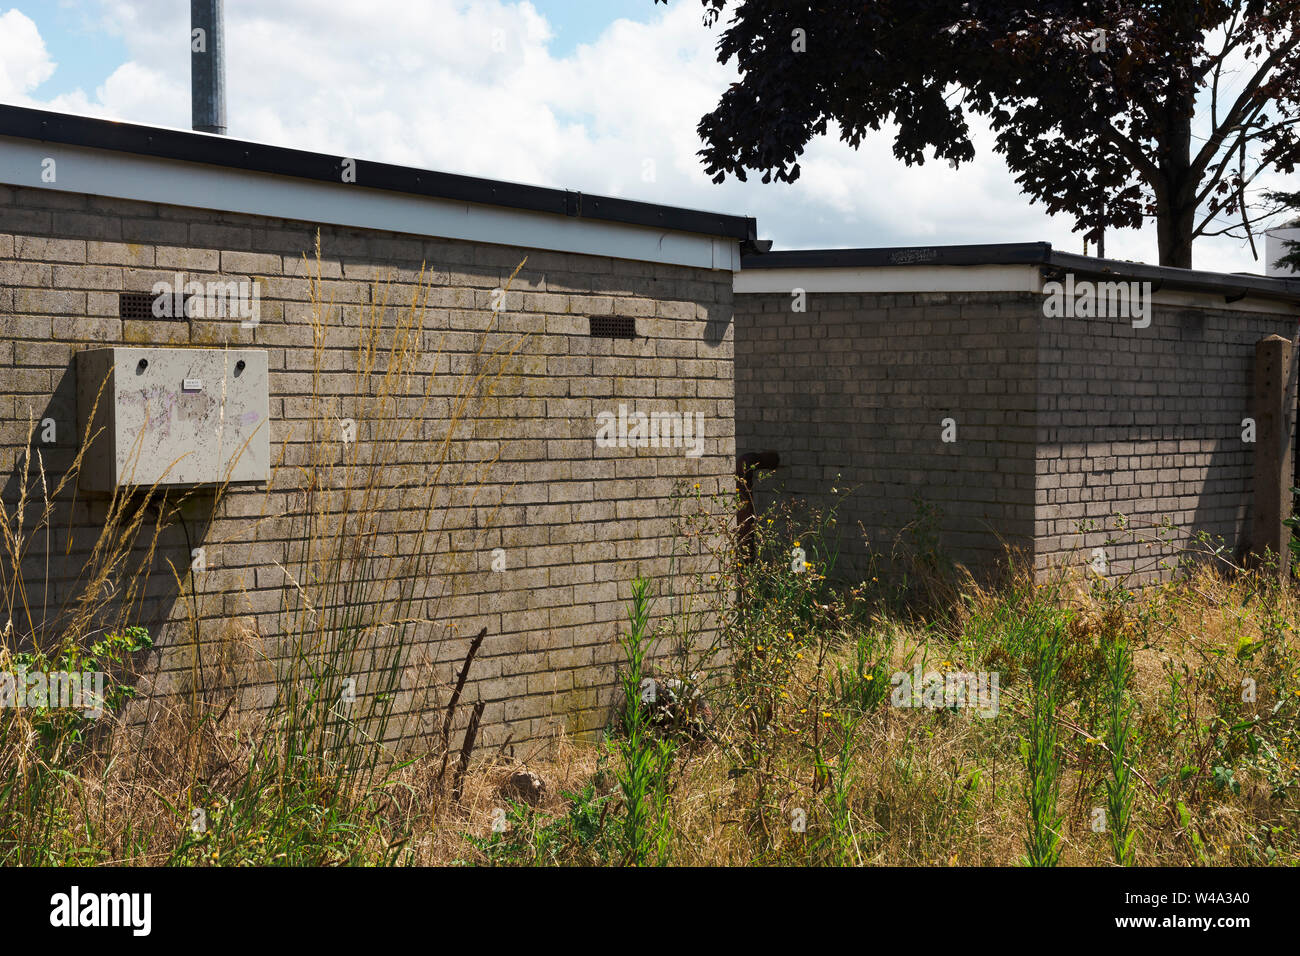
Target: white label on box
x,y
192,385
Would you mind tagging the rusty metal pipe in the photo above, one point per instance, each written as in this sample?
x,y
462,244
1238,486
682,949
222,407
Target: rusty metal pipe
x,y
746,465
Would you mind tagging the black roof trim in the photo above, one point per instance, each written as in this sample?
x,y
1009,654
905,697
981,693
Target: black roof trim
x,y
997,254
323,167
1231,285
1029,253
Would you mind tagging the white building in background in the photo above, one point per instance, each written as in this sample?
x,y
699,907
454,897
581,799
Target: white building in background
x,y
1275,248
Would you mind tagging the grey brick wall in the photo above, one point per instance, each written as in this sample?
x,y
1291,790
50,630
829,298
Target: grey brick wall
x,y
576,521
1060,422
1146,423
859,386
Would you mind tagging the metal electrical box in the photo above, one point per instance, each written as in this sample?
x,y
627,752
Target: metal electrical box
x,y
172,417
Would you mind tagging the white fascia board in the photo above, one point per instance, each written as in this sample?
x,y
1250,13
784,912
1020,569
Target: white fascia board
x,y
1016,278
1004,278
1212,300
170,182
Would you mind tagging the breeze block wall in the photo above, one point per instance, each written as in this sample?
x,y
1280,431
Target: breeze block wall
x,y
573,521
1147,424
1063,425
853,393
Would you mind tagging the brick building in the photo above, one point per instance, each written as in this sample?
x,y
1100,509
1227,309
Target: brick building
x,y
619,304
961,379
964,379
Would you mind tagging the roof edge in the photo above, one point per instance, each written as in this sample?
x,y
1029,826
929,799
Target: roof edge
x,y
1231,285
203,148
1010,253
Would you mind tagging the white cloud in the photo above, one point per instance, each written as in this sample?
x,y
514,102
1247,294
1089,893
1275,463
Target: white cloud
x,y
473,88
24,61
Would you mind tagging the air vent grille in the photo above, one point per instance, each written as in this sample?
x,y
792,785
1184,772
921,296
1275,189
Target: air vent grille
x,y
139,305
613,327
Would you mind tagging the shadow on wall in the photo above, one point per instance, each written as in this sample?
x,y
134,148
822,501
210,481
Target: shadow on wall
x,y
870,537
1151,546
80,566
718,316
1234,521
1169,454
914,472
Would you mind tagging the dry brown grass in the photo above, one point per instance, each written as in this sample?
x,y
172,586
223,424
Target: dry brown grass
x,y
926,787
946,788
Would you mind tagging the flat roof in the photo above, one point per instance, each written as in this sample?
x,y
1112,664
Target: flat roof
x,y
1232,286
193,147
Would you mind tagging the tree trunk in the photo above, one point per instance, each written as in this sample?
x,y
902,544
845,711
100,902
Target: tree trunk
x,y
1174,226
1176,194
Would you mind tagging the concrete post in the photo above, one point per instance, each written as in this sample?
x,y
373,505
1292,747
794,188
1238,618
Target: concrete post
x,y
1274,404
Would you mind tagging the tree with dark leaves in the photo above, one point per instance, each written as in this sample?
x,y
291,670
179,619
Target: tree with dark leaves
x,y
1109,111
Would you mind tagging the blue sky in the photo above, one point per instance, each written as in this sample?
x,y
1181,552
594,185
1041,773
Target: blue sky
x,y
597,95
582,21
86,53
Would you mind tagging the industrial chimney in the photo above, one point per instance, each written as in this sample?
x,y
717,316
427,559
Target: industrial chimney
x,y
207,67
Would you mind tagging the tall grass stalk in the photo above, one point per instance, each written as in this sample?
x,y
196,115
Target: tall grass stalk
x,y
1041,747
1120,785
645,759
364,583
52,623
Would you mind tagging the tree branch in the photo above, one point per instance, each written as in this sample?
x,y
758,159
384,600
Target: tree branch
x,y
1236,115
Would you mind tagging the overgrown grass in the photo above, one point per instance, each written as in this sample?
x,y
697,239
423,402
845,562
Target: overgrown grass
x,y
1135,726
